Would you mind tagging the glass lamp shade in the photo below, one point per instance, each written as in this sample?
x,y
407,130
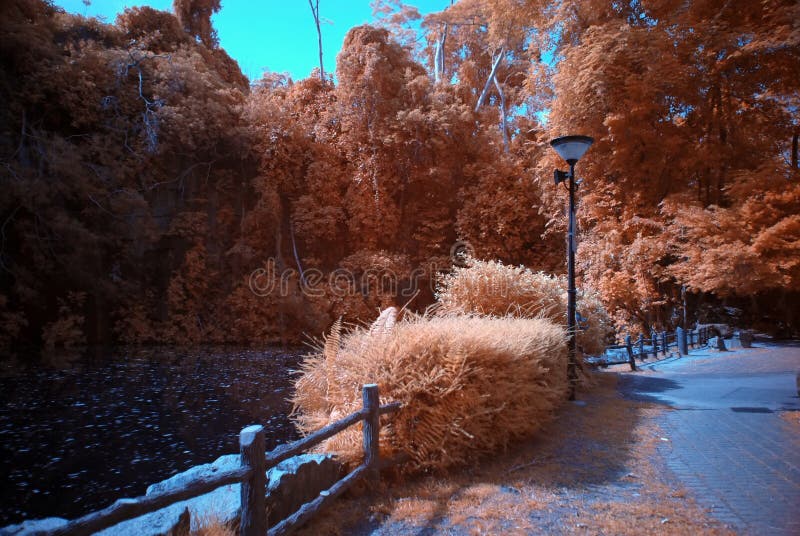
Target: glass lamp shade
x,y
571,148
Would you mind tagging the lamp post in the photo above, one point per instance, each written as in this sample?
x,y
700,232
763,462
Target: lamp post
x,y
683,296
571,149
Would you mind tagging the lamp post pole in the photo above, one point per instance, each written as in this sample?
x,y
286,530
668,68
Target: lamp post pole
x,y
683,295
571,149
572,373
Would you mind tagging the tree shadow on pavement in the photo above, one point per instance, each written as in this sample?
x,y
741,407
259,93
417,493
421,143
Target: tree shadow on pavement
x,y
646,388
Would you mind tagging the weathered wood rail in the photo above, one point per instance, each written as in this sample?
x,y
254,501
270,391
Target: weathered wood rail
x,y
255,462
658,343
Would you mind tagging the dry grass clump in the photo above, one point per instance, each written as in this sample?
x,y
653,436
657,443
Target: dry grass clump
x,y
492,288
469,385
210,524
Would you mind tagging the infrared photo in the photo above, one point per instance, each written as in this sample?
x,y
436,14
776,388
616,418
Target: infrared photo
x,y
372,267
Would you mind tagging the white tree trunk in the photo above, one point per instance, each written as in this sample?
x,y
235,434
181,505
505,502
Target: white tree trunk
x,y
296,256
503,117
438,57
490,79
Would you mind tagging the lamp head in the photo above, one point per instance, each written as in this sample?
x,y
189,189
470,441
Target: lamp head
x,y
571,148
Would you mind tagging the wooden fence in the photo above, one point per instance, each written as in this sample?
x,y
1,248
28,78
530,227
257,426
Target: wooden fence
x,y
255,462
658,342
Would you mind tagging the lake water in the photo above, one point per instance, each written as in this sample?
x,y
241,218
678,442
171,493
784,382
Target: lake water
x,y
78,432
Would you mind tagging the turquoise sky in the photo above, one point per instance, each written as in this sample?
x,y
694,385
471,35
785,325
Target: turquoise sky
x,y
272,35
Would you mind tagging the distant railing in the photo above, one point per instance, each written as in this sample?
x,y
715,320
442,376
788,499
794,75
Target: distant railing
x,y
255,462
658,342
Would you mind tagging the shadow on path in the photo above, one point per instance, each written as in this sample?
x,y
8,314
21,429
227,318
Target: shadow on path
x,y
646,388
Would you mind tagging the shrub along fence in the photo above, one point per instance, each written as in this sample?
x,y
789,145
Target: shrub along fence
x,y
658,342
255,462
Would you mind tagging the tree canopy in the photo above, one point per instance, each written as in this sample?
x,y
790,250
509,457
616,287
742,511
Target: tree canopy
x,y
151,190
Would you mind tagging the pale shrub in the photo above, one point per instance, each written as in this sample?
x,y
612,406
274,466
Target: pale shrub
x,y
469,385
493,288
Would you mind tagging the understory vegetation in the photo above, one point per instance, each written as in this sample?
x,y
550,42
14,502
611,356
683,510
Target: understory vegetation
x,y
154,194
484,367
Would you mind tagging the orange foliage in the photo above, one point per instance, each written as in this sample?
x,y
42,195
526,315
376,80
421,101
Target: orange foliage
x,y
195,17
140,167
689,181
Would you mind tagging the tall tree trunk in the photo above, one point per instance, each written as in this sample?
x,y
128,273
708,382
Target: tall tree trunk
x,y
280,266
503,117
296,256
490,79
314,4
438,58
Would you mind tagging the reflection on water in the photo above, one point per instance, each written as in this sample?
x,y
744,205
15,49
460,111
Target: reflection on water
x,y
77,434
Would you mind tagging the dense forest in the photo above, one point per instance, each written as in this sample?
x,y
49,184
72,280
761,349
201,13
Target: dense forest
x,y
153,194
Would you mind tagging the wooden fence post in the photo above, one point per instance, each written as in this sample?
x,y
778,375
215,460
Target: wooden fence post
x,y
371,398
629,348
654,342
720,342
683,344
253,496
664,342
640,343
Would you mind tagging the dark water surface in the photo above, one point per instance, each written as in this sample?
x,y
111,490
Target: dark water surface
x,y
80,432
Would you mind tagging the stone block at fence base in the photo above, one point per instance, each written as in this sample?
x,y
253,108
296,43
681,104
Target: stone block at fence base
x,y
290,484
297,481
33,526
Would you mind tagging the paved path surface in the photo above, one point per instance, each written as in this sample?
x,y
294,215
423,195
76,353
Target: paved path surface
x,y
733,438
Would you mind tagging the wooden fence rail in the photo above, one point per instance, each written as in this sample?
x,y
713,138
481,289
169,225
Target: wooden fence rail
x,y
255,462
661,343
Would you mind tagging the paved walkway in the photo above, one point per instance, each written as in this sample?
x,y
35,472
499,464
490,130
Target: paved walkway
x,y
733,438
